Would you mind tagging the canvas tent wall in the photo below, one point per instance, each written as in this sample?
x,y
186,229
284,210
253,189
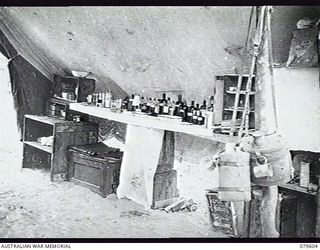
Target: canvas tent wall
x,y
143,49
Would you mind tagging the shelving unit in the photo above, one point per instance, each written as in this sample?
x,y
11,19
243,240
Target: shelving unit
x,y
231,100
65,133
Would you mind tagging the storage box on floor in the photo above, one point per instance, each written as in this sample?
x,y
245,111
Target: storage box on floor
x,y
95,166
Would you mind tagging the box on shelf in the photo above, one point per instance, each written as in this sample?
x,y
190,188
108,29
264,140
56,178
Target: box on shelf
x,y
60,108
95,166
74,89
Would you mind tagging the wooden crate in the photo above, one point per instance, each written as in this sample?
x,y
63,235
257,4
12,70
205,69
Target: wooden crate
x,y
63,105
81,87
99,173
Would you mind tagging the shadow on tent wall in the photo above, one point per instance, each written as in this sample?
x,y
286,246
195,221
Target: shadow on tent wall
x,y
29,87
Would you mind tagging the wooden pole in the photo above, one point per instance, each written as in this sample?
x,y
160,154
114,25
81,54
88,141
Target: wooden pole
x,y
265,121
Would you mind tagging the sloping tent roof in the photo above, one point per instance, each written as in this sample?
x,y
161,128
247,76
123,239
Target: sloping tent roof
x,y
135,49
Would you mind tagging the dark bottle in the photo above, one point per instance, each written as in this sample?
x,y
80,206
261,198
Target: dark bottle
x,y
94,99
99,102
160,103
181,110
189,115
211,103
195,114
204,105
190,112
130,107
177,105
156,107
201,119
185,112
149,102
141,103
124,103
165,109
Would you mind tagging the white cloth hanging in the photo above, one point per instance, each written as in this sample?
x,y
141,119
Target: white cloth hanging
x,y
139,164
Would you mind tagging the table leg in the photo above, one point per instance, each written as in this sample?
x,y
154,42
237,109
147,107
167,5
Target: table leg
x,y
317,233
165,189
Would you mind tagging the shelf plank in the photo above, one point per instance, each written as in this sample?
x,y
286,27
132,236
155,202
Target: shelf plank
x,y
39,146
44,119
297,188
144,120
242,92
239,109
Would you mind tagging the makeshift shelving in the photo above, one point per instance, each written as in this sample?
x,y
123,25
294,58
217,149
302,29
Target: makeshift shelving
x,y
65,133
233,103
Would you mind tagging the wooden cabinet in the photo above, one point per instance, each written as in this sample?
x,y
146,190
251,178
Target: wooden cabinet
x,y
64,133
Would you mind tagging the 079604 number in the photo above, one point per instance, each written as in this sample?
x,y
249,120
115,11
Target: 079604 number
x,y
308,245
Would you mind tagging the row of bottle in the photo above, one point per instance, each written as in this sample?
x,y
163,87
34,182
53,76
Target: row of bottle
x,y
194,113
102,100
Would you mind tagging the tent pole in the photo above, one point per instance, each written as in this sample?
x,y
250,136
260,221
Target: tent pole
x,y
265,120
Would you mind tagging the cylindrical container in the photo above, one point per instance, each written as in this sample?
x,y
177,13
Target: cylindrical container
x,y
108,98
304,174
209,119
274,149
234,175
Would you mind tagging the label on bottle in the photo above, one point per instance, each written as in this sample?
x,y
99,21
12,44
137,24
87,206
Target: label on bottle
x,y
165,109
189,114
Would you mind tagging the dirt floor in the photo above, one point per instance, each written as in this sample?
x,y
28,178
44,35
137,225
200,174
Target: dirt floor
x,y
32,206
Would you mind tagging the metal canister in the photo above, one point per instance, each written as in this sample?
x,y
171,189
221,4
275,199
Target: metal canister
x,y
274,149
234,175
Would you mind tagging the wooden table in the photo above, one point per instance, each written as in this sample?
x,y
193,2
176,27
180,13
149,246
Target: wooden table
x,y
161,122
306,211
165,178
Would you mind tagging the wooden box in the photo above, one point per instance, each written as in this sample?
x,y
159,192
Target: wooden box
x,y
78,86
62,110
99,172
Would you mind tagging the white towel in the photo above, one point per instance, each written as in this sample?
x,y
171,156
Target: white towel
x,y
139,164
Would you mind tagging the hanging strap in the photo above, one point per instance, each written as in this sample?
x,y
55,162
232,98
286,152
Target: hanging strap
x,y
255,52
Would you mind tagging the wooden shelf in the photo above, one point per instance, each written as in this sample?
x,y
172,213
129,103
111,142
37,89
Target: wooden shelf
x,y
239,109
237,75
44,119
297,188
242,92
39,146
